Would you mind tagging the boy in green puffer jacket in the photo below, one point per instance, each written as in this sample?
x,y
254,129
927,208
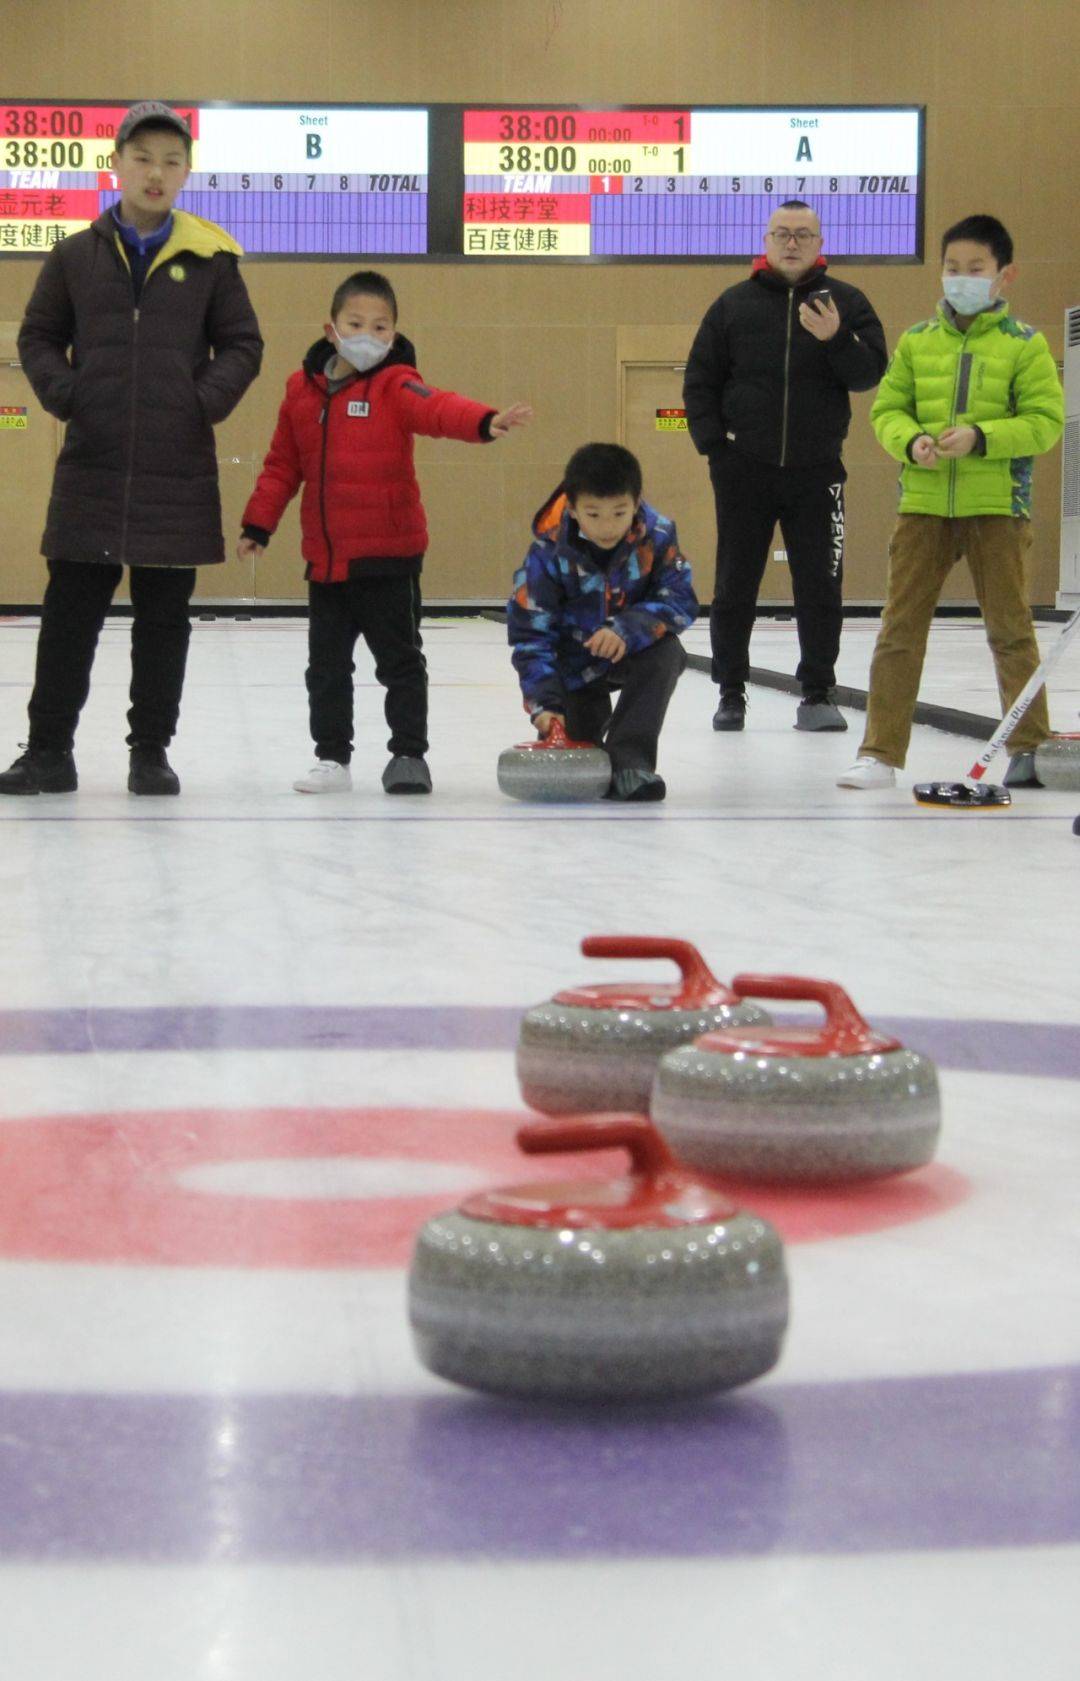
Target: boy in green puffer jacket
x,y
968,400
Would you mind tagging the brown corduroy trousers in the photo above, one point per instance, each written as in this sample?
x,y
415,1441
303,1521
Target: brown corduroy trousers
x,y
923,551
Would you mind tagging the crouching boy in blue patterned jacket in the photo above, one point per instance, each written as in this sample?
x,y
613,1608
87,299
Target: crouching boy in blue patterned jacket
x,y
599,605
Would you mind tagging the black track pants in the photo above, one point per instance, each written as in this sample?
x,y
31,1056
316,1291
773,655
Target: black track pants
x,y
752,497
386,613
646,682
73,611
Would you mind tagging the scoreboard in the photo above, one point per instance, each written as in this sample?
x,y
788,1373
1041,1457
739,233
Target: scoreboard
x,y
670,183
293,181
484,183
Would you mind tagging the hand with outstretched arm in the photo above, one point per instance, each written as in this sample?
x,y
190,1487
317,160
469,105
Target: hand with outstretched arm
x,y
518,414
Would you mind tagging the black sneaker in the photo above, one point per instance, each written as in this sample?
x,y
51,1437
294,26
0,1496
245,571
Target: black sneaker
x,y
731,713
151,773
41,770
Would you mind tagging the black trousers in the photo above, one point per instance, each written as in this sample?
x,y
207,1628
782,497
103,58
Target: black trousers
x,y
386,613
808,503
646,682
76,600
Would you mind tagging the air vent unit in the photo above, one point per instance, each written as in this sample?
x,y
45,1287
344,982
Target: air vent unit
x,y
1069,585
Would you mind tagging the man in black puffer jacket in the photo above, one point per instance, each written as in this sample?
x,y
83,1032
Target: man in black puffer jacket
x,y
766,394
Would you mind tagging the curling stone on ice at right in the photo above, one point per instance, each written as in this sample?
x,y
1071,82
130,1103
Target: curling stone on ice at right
x,y
827,1105
1057,762
555,769
596,1047
652,1286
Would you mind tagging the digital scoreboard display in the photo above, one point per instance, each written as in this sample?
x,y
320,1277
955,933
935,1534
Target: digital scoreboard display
x,y
683,183
284,180
456,184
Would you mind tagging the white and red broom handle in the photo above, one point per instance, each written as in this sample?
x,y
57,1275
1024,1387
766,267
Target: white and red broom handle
x,y
1023,701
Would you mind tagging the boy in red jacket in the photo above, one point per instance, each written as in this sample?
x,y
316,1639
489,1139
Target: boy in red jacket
x,y
345,432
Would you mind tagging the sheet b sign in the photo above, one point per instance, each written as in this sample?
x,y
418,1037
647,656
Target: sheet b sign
x,y
671,420
13,420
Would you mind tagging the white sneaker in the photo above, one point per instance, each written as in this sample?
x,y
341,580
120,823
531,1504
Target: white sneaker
x,y
867,773
326,776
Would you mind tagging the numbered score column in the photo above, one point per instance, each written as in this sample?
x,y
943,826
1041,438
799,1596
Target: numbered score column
x,y
283,180
531,176
310,181
689,183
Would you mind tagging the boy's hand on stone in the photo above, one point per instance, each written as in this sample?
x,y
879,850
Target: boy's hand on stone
x,y
248,549
606,644
518,414
544,721
924,451
956,441
820,318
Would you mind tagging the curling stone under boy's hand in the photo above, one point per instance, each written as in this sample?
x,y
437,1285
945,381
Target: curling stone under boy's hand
x,y
596,1047
1057,762
555,769
650,1286
798,1104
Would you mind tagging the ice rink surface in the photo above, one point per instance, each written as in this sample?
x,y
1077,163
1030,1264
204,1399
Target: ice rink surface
x,y
251,1039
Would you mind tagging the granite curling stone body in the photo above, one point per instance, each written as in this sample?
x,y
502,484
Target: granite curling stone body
x,y
596,1047
1057,762
797,1104
555,770
652,1286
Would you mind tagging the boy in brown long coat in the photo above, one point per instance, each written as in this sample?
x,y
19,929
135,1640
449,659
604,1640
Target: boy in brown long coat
x,y
140,335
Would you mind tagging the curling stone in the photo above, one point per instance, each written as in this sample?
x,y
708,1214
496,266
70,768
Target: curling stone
x,y
652,1286
1057,762
555,769
596,1047
798,1104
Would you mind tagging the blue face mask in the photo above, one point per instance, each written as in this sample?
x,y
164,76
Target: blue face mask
x,y
362,350
969,294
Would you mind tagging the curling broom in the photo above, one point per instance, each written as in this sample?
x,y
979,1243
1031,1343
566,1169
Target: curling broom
x,y
972,794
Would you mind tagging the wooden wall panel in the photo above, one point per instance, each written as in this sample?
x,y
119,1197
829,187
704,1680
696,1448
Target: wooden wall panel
x,y
1001,137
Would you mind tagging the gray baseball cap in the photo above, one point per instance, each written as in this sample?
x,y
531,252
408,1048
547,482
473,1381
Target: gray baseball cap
x,y
150,111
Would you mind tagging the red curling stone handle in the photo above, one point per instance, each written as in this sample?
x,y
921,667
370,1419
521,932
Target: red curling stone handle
x,y
555,740
649,1154
846,1032
698,985
557,737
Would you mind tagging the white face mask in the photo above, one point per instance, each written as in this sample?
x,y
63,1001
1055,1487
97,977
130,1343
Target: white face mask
x,y
968,293
362,350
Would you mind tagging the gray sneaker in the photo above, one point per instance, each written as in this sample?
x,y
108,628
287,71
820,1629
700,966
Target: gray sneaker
x,y
636,786
817,712
1021,772
406,776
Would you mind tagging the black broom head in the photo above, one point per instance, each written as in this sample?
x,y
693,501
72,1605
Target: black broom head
x,y
963,796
